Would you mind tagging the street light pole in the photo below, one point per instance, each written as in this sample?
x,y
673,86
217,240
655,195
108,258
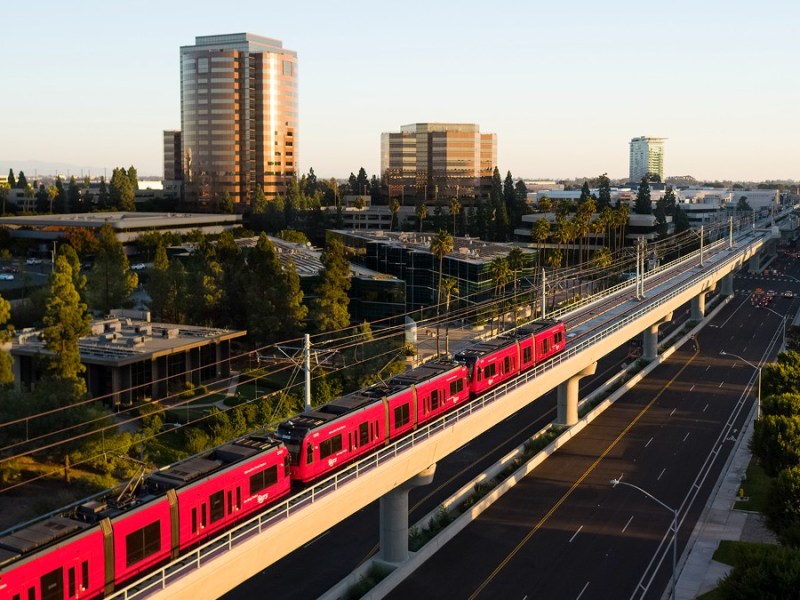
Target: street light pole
x,y
674,511
783,321
758,369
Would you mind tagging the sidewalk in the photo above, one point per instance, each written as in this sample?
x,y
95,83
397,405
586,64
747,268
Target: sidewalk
x,y
719,521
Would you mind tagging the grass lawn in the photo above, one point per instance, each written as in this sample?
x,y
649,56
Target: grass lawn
x,y
755,486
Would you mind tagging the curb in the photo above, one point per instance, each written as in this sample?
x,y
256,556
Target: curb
x,y
448,533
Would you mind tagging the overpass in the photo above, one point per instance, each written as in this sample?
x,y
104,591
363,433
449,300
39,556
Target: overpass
x,y
601,324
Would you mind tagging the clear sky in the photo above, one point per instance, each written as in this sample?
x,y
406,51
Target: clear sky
x,y
565,85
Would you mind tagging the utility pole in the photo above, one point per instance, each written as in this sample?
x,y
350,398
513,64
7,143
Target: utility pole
x,y
307,369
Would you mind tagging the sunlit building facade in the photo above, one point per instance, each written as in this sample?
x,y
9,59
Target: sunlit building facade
x,y
238,118
647,158
434,162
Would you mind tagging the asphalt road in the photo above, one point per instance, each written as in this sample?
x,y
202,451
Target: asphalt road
x,y
340,550
564,532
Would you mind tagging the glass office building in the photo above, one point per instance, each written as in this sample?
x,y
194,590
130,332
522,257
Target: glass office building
x,y
238,118
434,162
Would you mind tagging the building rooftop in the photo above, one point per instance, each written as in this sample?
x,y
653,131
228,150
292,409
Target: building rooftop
x,y
464,248
120,220
121,339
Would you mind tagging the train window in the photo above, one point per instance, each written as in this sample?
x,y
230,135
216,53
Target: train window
x,y
456,387
239,497
143,542
363,434
52,585
230,502
527,354
194,520
402,415
558,337
309,453
264,479
507,364
85,575
71,582
31,593
217,503
545,345
434,399
285,468
202,516
16,597
330,446
480,373
490,370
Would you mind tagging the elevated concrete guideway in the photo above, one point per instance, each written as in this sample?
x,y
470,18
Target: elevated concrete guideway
x,y
594,329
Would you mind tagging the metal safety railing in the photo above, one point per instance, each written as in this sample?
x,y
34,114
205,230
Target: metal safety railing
x,y
161,578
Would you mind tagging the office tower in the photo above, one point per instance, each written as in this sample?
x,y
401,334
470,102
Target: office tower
x,y
433,162
647,157
173,170
238,118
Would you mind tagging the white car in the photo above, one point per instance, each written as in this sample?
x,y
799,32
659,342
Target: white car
x,y
137,267
33,261
6,277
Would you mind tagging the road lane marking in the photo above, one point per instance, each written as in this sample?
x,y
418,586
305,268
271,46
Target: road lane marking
x,y
686,436
583,590
660,474
626,524
574,535
673,411
691,389
720,383
705,407
580,479
648,442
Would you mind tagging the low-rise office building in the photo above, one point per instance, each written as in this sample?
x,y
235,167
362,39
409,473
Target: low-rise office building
x,y
129,359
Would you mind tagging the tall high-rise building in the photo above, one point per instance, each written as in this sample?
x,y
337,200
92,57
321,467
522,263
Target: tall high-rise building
x,y
238,118
173,170
433,162
647,158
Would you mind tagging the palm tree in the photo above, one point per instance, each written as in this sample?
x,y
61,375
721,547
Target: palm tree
x,y
516,261
441,244
394,206
540,232
455,209
500,274
422,214
449,288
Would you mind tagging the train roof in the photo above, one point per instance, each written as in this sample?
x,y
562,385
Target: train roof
x,y
296,427
32,537
189,470
425,372
484,347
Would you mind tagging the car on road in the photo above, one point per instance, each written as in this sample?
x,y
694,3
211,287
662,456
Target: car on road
x,y
788,294
6,277
33,261
137,267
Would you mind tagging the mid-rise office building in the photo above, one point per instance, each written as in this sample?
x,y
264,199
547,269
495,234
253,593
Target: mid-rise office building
x,y
434,162
647,158
238,118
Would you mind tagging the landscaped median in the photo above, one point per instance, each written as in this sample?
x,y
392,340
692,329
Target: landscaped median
x,y
441,525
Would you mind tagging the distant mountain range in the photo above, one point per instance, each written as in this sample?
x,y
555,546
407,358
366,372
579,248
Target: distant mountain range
x,y
40,168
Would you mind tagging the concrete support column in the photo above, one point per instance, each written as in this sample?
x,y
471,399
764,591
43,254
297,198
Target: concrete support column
x,y
567,408
754,264
394,518
650,339
699,307
727,285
